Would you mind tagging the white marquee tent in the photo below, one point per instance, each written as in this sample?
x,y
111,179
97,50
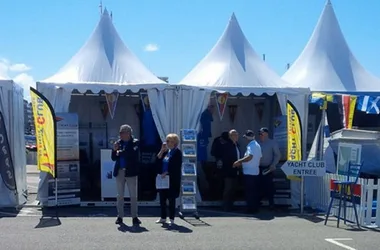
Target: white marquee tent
x,y
233,66
327,64
12,108
104,63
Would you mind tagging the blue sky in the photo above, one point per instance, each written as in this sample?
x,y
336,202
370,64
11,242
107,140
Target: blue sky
x,y
38,37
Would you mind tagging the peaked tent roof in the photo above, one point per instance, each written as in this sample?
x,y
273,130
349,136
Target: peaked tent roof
x,y
104,59
232,65
326,64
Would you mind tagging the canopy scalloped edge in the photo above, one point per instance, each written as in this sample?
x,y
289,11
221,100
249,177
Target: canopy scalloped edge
x,y
106,87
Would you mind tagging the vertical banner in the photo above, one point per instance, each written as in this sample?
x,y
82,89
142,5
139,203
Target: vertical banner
x,y
259,109
45,129
112,102
221,103
103,109
144,100
294,136
7,171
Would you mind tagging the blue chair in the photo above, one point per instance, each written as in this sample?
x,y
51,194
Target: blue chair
x,y
344,191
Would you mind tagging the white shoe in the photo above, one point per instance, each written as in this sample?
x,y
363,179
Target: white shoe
x,y
171,222
161,221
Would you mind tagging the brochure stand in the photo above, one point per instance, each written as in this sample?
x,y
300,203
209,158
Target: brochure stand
x,y
189,173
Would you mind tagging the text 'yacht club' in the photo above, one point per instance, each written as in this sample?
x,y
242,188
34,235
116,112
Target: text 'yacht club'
x,y
304,168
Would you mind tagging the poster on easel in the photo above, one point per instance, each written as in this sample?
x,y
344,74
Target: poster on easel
x,y
347,153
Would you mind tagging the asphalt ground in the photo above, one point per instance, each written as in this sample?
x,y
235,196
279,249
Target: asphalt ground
x,y
94,228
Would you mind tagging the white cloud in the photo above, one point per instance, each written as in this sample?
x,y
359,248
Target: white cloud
x,y
8,70
151,47
19,67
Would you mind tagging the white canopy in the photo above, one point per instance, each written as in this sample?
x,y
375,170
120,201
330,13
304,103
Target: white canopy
x,y
104,59
232,65
12,108
327,64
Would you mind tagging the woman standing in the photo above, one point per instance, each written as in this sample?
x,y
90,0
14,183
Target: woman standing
x,y
169,163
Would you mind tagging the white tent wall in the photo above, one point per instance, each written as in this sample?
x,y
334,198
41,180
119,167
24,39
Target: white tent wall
x,y
163,106
192,102
12,107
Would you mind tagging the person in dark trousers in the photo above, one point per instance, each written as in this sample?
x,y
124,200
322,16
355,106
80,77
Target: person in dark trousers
x,y
230,154
250,163
269,160
169,163
125,153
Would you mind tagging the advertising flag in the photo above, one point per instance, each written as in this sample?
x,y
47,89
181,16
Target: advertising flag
x,y
294,136
221,103
112,102
45,129
6,164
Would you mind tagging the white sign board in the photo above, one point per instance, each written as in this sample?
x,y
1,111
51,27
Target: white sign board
x,y
108,181
304,168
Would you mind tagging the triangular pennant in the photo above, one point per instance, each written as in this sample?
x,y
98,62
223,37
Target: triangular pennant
x,y
145,101
112,102
221,103
260,109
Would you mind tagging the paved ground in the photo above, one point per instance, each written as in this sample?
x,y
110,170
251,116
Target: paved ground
x,y
94,228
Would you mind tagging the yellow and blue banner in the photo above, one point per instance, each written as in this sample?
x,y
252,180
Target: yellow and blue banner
x,y
46,132
294,152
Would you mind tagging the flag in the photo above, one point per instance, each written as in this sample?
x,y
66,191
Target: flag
x,y
46,132
7,170
112,102
321,99
348,109
221,103
369,104
294,136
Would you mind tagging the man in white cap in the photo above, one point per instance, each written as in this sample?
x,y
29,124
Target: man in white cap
x,y
125,153
251,163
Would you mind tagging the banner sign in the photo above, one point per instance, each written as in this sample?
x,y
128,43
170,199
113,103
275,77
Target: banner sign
x,y
6,164
294,136
221,103
68,167
112,102
145,100
45,129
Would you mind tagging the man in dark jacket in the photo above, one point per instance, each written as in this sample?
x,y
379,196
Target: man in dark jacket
x,y
230,154
125,153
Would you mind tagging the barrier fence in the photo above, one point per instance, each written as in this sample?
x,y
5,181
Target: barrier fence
x,y
318,191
